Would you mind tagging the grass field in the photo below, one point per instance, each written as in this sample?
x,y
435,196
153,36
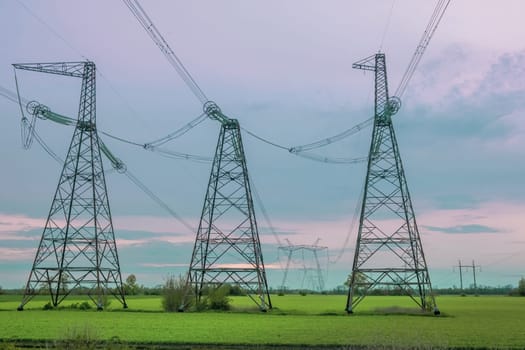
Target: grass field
x,y
466,322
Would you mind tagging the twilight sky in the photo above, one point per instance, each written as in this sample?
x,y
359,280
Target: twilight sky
x,y
284,70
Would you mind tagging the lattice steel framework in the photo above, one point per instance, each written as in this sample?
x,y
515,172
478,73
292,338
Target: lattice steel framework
x,y
77,251
227,249
388,252
316,272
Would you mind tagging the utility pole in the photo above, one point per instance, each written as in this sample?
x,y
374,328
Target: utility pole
x,y
474,267
460,276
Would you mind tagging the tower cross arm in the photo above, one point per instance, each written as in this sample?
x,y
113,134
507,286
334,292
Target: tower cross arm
x,y
366,64
72,69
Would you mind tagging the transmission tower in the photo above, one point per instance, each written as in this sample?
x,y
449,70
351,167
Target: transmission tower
x,y
314,249
388,251
77,251
227,249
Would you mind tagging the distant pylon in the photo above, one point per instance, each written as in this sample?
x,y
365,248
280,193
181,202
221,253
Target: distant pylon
x,y
315,273
388,251
77,251
227,249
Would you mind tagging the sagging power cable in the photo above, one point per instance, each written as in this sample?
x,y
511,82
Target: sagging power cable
x,y
148,25
332,160
315,157
177,133
28,128
120,167
260,205
150,28
351,229
432,25
157,200
329,140
37,110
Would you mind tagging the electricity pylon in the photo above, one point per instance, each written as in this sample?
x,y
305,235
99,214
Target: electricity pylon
x,y
388,251
227,249
77,251
317,274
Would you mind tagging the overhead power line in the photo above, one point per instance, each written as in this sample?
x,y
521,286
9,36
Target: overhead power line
x,y
265,140
38,110
264,212
300,151
119,165
333,160
148,25
432,25
150,28
50,28
157,200
177,133
332,139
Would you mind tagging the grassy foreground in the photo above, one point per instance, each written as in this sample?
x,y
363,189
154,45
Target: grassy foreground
x,y
466,322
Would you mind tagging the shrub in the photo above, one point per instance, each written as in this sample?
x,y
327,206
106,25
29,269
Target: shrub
x,y
236,290
174,293
521,287
85,305
218,298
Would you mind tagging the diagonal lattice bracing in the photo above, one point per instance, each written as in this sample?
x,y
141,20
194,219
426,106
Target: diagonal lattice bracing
x,y
77,252
227,249
389,253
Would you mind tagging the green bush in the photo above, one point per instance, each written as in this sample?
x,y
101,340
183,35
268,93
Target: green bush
x,y
85,305
218,298
521,287
174,294
236,290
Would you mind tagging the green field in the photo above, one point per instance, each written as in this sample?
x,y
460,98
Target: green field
x,y
466,322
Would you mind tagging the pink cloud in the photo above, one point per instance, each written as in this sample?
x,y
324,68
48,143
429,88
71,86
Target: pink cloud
x,y
13,223
161,265
441,249
17,254
514,140
123,242
153,224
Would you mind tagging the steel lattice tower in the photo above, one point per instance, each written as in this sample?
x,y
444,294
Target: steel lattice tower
x,y
77,251
317,278
388,251
227,249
